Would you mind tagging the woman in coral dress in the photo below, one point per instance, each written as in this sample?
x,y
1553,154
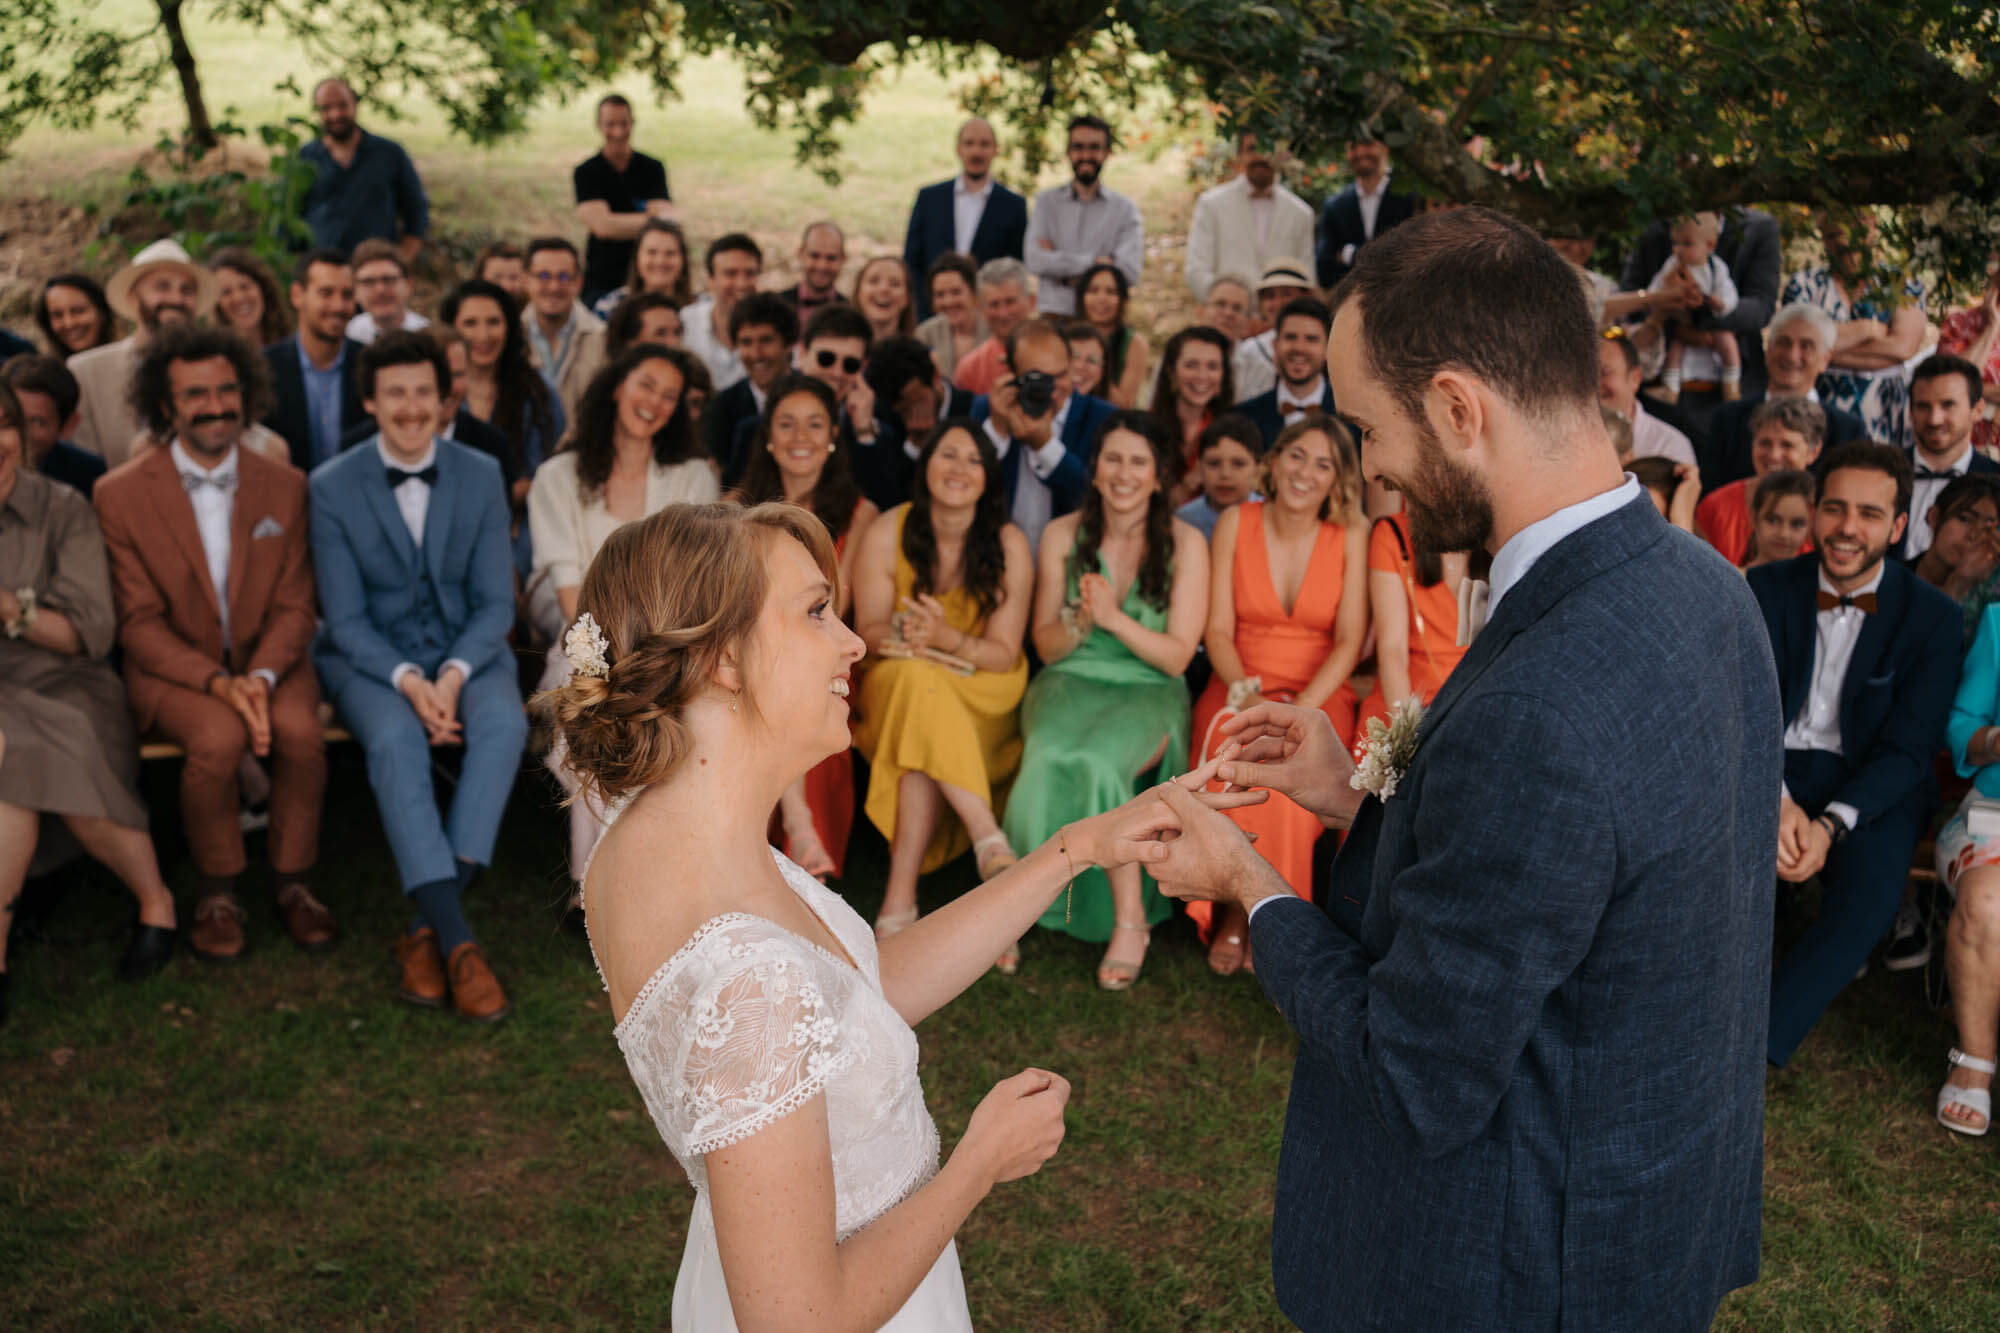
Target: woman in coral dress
x,y
1414,600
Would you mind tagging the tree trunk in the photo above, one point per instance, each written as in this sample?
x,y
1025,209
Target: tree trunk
x,y
200,130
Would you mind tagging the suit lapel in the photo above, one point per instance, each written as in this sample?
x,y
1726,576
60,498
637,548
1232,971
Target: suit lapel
x,y
437,519
1877,631
176,513
248,508
1802,635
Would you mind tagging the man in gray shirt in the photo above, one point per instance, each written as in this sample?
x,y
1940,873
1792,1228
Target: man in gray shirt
x,y
1082,224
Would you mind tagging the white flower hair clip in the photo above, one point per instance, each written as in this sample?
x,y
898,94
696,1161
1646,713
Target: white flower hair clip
x,y
585,646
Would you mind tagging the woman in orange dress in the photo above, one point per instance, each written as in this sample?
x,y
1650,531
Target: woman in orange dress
x,y
1414,600
1288,614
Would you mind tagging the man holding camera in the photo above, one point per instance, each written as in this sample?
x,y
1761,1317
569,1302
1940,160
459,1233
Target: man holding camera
x,y
1033,407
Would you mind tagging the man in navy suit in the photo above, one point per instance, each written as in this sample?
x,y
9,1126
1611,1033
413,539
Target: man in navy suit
x,y
1050,471
1361,212
1797,349
971,214
1944,398
1299,347
1868,663
1531,1015
416,589
314,398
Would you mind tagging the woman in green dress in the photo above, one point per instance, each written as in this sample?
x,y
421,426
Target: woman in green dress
x,y
1121,597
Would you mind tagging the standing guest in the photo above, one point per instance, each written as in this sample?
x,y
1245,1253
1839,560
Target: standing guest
x,y
504,390
314,401
762,328
1121,596
366,187
1781,507
567,340
1968,865
67,748
659,264
948,572
501,264
73,315
1106,293
1413,610
1868,662
1878,333
649,317
908,386
247,299
1246,222
1287,620
1698,347
160,288
1964,554
1799,347
409,542
47,395
1078,226
882,293
1361,211
1228,307
1974,333
822,254
972,214
214,587
1089,354
1750,245
1255,362
1230,457
1033,407
1785,436
618,190
958,326
1004,302
382,281
1618,378
734,262
1192,386
1944,395
1298,346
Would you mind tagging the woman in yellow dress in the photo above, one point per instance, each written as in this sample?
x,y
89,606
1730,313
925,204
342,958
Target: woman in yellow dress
x,y
942,590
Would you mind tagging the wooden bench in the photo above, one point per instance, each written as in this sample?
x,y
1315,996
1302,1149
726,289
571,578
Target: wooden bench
x,y
153,747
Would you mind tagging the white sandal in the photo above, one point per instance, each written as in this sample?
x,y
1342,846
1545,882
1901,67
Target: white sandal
x,y
1977,1100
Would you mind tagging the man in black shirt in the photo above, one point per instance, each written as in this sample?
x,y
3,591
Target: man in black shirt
x,y
616,191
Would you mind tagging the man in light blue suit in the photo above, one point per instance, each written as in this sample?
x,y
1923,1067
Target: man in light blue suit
x,y
1531,1012
416,583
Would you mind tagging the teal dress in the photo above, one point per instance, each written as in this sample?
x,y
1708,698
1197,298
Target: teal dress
x,y
1089,723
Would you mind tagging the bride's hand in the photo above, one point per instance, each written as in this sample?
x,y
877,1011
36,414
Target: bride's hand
x,y
1017,1126
1138,830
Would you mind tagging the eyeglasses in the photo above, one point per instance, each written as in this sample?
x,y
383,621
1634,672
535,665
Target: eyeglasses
x,y
381,280
559,279
826,359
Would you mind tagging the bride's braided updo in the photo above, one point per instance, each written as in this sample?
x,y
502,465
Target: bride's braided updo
x,y
672,594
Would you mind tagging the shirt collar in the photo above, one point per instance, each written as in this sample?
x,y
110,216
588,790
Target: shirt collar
x,y
1512,561
184,463
1381,188
306,362
1961,465
1314,397
960,188
390,460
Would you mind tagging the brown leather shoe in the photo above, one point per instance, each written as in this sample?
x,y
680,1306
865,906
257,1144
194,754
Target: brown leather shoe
x,y
217,934
306,919
475,993
423,969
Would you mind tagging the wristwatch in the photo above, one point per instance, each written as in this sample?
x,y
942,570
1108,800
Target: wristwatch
x,y
1836,828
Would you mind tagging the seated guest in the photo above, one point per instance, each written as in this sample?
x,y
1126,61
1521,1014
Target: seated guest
x,y
1230,456
882,293
1785,434
822,254
503,390
1103,293
1618,378
659,265
160,288
501,264
762,329
1974,333
1192,386
909,386
409,542
1121,597
1413,609
734,262
1229,307
454,421
1032,407
1798,345
314,402
214,589
1944,398
945,572
700,388
1674,488
382,281
1968,865
958,325
73,315
1245,222
1089,353
618,191
567,340
47,394
1287,619
1298,347
971,215
67,748
649,317
1964,552
247,298
834,350
1781,508
1254,363
1005,301
635,454
1867,658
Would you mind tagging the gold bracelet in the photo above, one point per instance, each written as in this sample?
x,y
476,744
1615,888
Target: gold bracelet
x,y
1069,889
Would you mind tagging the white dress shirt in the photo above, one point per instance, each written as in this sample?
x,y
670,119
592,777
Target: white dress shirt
x,y
1034,505
1654,438
1254,367
214,507
1371,208
364,330
1291,406
1924,493
698,337
413,501
1817,727
968,206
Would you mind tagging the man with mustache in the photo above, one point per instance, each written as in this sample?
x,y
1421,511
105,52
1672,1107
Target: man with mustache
x,y
160,289
214,584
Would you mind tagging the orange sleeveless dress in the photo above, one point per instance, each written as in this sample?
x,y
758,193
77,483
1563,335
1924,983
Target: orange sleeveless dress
x,y
1433,613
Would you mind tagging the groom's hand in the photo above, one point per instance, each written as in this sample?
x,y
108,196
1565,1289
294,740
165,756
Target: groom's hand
x,y
1293,751
1211,860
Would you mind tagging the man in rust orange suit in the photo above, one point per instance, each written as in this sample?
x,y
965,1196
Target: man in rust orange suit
x,y
213,578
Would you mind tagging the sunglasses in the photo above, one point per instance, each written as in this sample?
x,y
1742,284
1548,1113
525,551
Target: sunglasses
x,y
827,359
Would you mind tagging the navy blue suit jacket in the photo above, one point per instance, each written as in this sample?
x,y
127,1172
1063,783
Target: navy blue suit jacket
x,y
1530,1078
1724,454
1263,409
290,416
1897,695
1071,477
1340,226
1001,233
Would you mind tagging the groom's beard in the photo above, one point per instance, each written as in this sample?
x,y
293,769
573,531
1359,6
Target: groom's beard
x,y
1449,505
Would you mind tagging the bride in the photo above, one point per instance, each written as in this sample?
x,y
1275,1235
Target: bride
x,y
770,1041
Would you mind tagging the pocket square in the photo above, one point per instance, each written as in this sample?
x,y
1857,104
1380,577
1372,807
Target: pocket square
x,y
267,527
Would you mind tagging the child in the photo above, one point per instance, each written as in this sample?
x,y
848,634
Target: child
x,y
1230,452
1781,508
1673,487
1694,240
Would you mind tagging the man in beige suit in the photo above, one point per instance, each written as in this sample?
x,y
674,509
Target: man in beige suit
x,y
213,578
161,287
1244,223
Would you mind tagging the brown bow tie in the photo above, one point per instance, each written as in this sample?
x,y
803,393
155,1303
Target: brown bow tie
x,y
1864,602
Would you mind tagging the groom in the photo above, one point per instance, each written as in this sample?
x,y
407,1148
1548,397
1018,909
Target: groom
x,y
1531,1018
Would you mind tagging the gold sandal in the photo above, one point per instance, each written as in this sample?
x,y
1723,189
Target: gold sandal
x,y
1119,975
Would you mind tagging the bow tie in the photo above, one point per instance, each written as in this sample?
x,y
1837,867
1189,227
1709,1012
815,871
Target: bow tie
x,y
1932,474
222,481
398,476
1864,602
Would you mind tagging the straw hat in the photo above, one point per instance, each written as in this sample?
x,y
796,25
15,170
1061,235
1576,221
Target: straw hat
x,y
160,254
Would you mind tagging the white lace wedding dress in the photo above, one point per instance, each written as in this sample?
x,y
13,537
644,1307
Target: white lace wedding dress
x,y
746,1023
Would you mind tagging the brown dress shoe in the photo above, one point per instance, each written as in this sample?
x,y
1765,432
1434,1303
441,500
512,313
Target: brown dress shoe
x,y
475,993
423,969
306,919
217,934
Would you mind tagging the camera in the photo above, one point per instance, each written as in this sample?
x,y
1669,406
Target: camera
x,y
1035,391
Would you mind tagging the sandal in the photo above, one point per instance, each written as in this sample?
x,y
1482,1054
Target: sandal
x,y
991,855
1116,974
1009,961
1225,956
894,923
1979,1101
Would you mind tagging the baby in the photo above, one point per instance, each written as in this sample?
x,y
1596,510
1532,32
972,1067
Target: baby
x,y
1694,240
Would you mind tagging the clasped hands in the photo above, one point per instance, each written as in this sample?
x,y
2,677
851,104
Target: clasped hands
x,y
436,704
250,697
1803,843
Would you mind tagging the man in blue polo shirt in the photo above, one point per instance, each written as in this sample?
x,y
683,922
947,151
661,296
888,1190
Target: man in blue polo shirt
x,y
366,187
